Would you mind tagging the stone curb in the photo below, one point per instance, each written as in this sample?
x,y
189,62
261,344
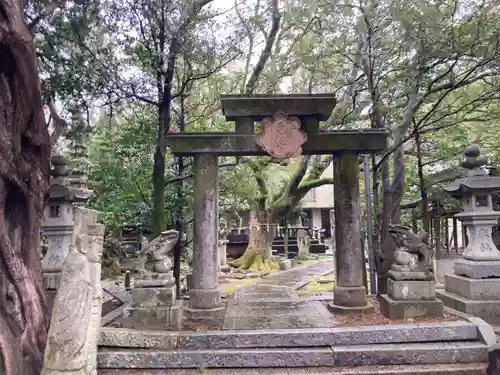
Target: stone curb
x,y
303,357
351,355
317,337
485,331
302,283
440,369
409,354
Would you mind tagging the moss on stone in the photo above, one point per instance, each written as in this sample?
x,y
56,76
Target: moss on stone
x,y
314,287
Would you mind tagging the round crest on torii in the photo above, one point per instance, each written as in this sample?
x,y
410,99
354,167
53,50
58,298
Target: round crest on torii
x,y
281,136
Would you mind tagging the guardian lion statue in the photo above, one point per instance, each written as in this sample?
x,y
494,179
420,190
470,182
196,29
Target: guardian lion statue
x,y
153,257
413,258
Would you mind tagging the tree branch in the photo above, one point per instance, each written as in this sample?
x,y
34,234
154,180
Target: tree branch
x,y
308,185
60,125
266,52
298,175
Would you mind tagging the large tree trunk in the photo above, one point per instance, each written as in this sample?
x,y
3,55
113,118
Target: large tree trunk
x,y
24,165
258,255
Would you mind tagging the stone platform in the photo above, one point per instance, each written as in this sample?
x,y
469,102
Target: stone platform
x,y
453,342
268,326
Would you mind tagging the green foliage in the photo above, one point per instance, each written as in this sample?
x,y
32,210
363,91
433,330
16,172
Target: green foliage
x,y
415,66
120,155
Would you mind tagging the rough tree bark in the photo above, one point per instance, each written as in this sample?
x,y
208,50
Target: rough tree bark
x,y
24,167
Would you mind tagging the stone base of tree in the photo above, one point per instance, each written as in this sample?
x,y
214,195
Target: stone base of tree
x,y
215,313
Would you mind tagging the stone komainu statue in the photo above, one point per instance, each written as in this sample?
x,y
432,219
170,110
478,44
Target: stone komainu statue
x,y
153,257
413,255
76,317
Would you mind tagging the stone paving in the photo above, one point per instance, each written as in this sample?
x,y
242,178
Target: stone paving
x,y
272,303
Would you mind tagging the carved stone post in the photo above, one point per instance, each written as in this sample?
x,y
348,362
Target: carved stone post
x,y
349,292
205,297
74,327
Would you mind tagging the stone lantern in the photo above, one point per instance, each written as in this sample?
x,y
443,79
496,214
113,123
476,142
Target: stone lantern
x,y
474,288
57,225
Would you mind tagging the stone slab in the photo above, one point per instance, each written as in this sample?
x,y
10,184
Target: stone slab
x,y
477,269
270,307
161,318
229,339
411,290
401,333
488,310
276,315
132,338
259,322
475,289
394,309
408,354
257,339
437,369
147,359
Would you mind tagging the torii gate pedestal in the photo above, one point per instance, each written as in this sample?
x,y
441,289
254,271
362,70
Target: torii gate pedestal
x,y
349,293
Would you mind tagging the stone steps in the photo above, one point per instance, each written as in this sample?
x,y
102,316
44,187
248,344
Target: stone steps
x,y
342,355
439,369
453,342
230,339
238,339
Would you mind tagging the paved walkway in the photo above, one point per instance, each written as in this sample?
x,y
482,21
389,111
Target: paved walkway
x,y
272,303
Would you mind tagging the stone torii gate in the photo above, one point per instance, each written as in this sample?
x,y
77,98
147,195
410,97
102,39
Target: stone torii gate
x,y
308,110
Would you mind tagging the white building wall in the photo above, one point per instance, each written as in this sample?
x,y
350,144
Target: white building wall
x,y
322,196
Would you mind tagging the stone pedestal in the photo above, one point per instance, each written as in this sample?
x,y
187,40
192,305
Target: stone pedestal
x,y
154,306
349,292
410,299
205,297
474,289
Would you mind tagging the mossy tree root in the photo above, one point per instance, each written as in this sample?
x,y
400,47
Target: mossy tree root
x,y
254,262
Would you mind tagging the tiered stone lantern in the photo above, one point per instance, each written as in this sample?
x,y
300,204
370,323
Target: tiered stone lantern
x,y
474,288
57,225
